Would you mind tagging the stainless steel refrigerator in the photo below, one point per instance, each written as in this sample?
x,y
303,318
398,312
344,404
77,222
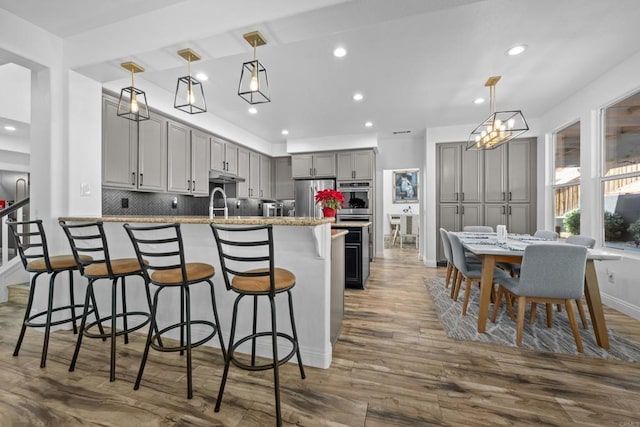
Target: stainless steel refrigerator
x,y
305,191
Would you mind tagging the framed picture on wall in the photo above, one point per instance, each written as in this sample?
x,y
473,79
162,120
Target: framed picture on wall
x,y
405,186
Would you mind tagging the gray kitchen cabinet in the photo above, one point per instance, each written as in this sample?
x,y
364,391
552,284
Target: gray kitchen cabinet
x,y
283,184
265,177
224,155
354,165
134,156
508,173
517,217
456,216
460,174
254,174
316,165
200,163
188,160
242,187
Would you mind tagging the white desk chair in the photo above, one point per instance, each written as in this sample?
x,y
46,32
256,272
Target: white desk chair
x,y
394,222
409,226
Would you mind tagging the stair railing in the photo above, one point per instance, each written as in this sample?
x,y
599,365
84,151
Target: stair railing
x,y
16,208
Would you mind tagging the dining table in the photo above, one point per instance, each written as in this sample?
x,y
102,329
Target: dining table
x,y
492,250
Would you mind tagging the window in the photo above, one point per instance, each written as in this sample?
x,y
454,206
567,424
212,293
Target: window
x,y
621,174
566,180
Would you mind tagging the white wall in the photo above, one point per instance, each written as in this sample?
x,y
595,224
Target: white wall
x,y
15,102
330,143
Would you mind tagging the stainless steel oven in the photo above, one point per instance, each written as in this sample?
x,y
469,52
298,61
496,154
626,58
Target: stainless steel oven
x,y
358,198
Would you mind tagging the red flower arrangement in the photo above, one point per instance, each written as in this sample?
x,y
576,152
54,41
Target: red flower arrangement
x,y
329,198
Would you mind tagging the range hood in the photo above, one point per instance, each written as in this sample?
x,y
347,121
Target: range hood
x,y
223,177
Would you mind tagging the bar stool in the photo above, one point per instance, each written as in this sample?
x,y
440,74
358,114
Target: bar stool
x,y
31,242
90,238
255,251
164,266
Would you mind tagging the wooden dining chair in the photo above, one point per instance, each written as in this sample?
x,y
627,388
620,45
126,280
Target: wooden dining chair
x,y
551,274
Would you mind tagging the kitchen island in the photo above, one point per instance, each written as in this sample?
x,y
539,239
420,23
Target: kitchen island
x,y
356,252
302,245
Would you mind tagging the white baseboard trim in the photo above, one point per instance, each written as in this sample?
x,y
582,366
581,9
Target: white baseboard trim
x,y
622,306
10,274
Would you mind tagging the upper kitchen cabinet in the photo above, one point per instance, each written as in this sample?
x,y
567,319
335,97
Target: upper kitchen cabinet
x,y
265,177
315,165
460,174
224,155
283,184
244,164
354,165
508,172
134,155
188,161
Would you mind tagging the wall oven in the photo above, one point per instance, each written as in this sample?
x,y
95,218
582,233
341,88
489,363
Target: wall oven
x,y
358,198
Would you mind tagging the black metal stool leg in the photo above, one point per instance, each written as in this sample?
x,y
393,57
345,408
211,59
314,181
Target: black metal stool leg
x,y
181,319
124,311
73,303
96,313
88,297
227,359
217,320
147,345
295,335
255,326
187,296
47,325
32,291
276,376
114,312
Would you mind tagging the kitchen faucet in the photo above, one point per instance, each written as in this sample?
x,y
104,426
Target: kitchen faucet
x,y
211,208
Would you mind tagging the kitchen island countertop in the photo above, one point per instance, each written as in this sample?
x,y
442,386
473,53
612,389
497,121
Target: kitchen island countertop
x,y
351,224
248,220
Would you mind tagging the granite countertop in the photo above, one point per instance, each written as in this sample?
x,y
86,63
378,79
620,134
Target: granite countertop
x,y
335,233
247,220
350,224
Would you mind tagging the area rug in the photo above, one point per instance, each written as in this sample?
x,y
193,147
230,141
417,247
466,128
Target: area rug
x,y
557,339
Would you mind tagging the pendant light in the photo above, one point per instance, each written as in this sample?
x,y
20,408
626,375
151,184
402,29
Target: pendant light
x,y
254,84
500,127
132,104
189,92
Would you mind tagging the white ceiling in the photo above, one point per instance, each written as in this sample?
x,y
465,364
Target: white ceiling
x,y
419,63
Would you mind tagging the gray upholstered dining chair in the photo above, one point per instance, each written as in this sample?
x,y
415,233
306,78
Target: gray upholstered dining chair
x,y
478,229
546,234
585,241
470,272
550,274
451,269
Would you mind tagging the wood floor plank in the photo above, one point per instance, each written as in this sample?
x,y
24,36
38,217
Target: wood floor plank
x,y
392,366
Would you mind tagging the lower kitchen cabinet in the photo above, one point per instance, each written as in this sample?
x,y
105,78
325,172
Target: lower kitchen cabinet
x,y
356,254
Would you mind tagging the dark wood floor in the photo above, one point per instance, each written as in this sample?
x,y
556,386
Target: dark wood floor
x,y
393,366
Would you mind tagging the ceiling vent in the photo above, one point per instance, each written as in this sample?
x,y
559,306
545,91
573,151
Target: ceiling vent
x,y
399,132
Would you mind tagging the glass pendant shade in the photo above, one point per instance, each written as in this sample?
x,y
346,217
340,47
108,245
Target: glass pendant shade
x,y
254,83
189,91
499,128
132,103
190,96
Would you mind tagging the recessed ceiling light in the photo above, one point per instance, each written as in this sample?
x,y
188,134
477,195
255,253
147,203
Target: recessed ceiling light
x,y
517,50
357,96
253,110
10,128
285,132
202,77
339,52
368,124
478,101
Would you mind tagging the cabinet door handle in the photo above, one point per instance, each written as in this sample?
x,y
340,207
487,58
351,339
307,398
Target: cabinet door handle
x,y
462,197
504,210
133,178
227,166
463,210
509,210
141,179
456,197
310,171
314,171
503,195
188,185
509,195
194,185
456,210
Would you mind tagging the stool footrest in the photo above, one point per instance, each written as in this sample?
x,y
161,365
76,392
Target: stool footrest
x,y
30,320
155,342
280,361
134,328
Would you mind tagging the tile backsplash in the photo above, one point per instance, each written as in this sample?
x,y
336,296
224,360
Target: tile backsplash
x,y
140,203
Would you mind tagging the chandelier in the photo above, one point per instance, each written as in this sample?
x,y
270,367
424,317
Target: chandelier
x,y
500,127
